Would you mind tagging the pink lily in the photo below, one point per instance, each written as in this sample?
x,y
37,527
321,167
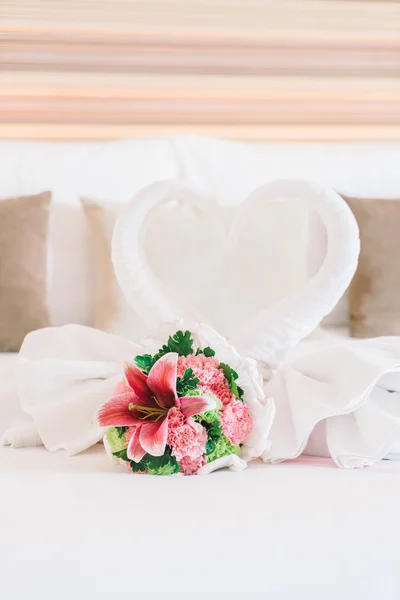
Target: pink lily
x,y
143,403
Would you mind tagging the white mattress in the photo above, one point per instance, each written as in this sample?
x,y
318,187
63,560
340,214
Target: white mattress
x,y
76,528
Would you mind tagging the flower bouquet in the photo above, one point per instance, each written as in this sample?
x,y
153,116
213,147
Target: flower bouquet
x,y
183,409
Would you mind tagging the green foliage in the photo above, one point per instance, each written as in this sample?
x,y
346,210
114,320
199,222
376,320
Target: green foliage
x,y
121,454
217,444
144,362
220,447
186,385
207,351
231,376
116,439
138,467
162,465
210,420
164,350
157,465
181,342
120,431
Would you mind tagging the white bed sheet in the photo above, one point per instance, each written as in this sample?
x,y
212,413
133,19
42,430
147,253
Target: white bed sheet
x,y
10,413
77,528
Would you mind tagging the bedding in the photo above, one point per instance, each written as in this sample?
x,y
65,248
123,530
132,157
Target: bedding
x,y
77,527
16,427
10,411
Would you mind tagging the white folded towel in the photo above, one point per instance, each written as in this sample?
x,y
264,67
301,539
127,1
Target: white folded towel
x,y
338,399
65,374
333,398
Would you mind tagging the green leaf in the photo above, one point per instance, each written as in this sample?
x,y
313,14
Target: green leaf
x,y
144,362
120,431
222,447
161,465
164,350
228,372
207,351
182,343
231,376
137,467
210,445
210,420
187,384
121,454
116,442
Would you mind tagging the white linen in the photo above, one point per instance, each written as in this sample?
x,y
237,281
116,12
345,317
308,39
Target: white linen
x,y
12,418
77,528
345,394
332,397
65,374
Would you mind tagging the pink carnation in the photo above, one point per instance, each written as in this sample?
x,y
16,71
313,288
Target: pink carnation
x,y
212,378
186,438
190,466
236,422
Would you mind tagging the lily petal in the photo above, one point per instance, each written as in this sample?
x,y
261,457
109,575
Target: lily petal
x,y
116,413
153,437
137,381
195,405
135,451
162,379
121,388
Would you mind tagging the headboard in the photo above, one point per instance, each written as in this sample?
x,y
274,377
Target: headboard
x,y
256,69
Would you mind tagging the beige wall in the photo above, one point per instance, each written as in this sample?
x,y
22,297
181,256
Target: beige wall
x,y
248,69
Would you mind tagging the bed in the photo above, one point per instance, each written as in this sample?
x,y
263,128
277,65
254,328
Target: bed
x,y
75,527
304,529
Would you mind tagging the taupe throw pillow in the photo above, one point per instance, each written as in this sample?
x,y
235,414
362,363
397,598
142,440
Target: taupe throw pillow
x,y
374,293
24,224
112,312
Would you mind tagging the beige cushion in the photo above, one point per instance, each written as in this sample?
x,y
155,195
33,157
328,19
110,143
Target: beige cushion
x,y
24,224
111,311
374,293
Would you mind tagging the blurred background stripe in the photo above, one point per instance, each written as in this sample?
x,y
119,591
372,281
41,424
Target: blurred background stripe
x,y
320,69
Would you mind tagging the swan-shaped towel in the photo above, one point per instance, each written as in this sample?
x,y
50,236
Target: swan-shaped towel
x,y
67,373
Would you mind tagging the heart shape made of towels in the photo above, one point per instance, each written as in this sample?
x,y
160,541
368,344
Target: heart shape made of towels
x,y
271,333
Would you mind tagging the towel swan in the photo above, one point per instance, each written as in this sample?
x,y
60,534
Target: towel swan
x,y
270,335
343,397
353,389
